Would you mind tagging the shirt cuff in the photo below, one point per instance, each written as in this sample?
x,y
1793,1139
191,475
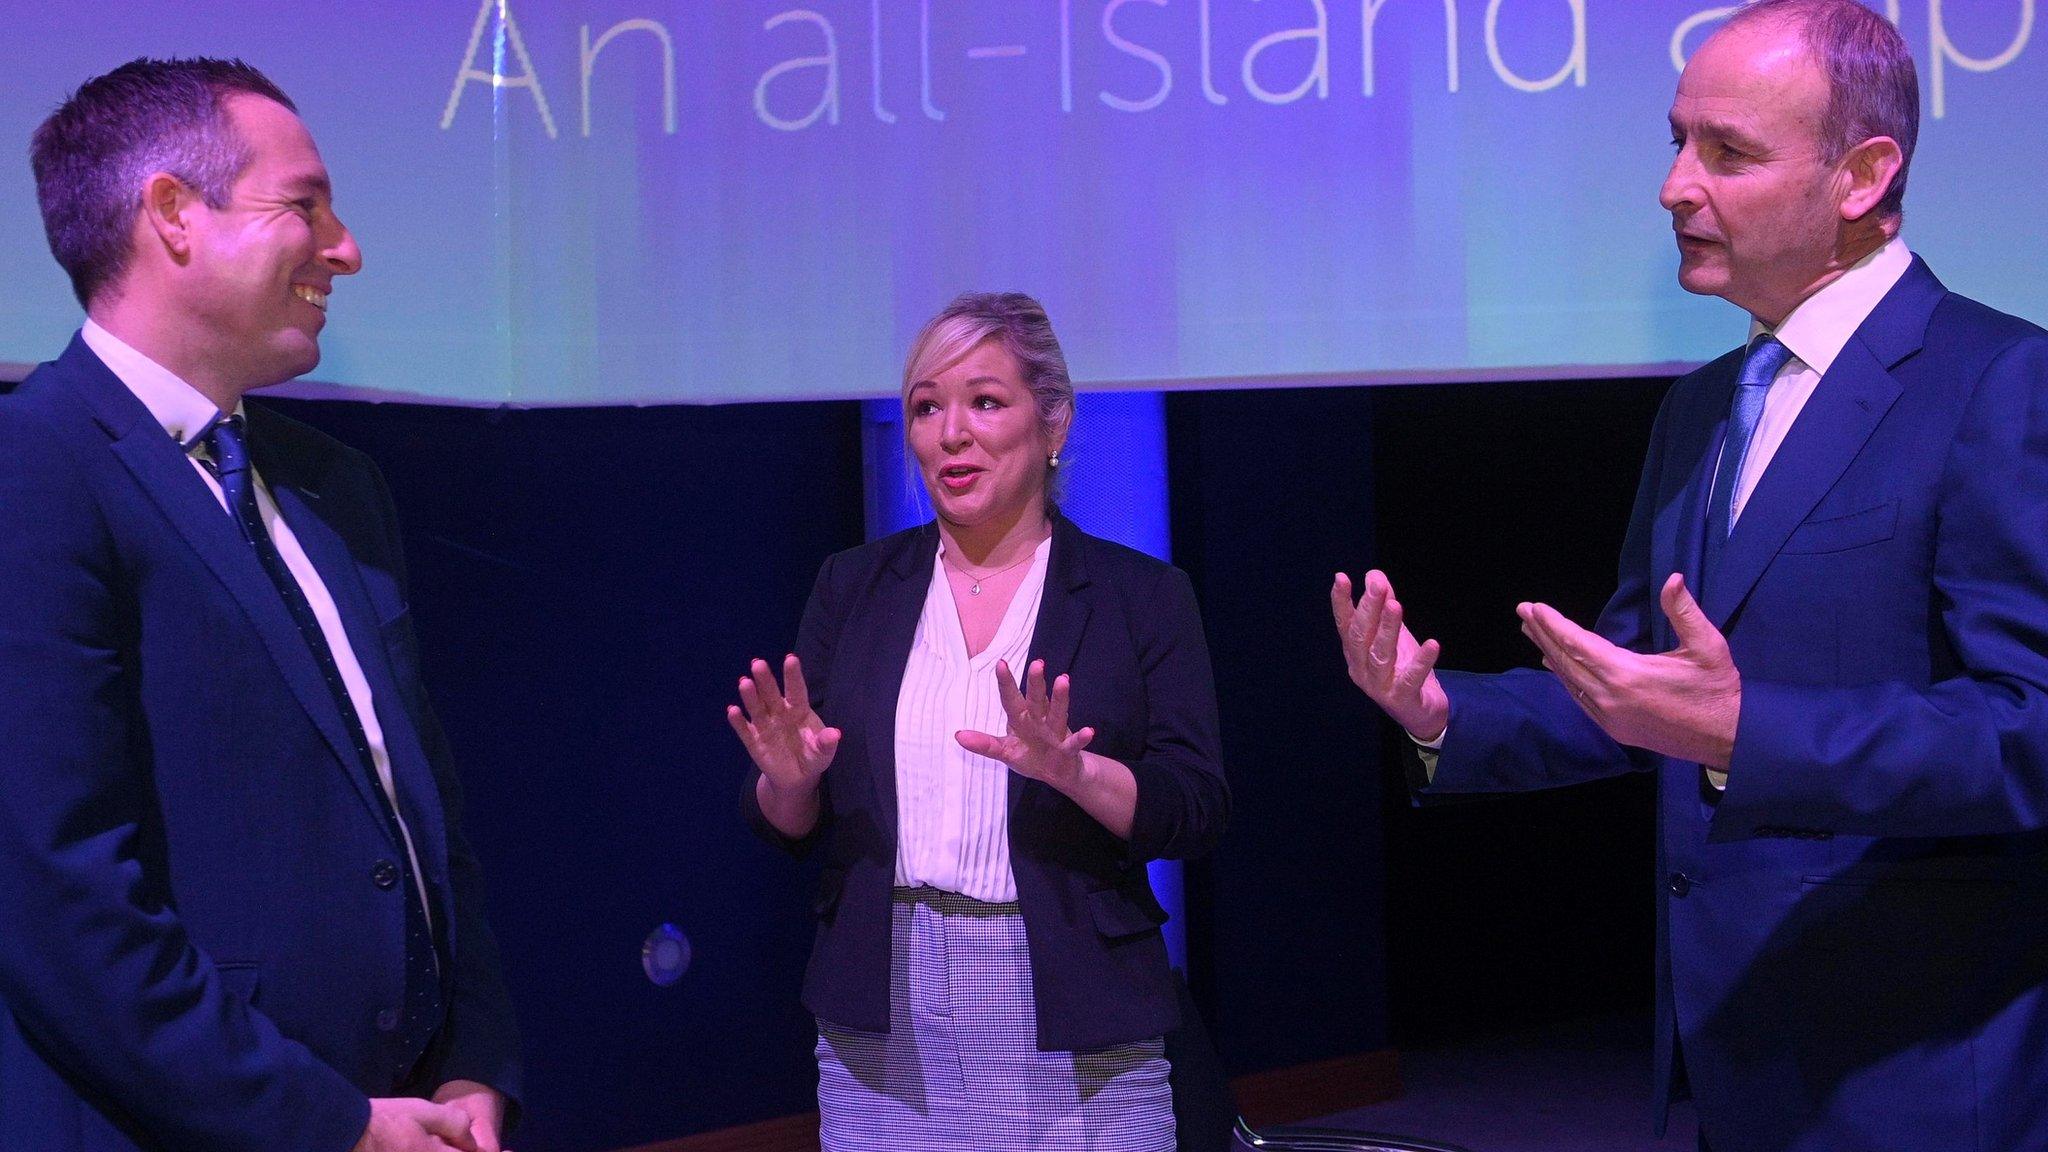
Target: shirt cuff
x,y
1427,751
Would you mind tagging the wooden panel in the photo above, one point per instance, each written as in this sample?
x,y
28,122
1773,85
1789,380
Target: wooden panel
x,y
1306,1091
783,1134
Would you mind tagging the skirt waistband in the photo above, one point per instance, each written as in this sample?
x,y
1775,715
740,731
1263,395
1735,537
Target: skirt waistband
x,y
953,903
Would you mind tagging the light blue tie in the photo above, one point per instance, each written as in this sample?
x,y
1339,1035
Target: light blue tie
x,y
1759,368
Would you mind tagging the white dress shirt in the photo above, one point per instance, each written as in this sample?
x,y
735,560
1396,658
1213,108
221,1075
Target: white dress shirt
x,y
952,806
187,415
1815,333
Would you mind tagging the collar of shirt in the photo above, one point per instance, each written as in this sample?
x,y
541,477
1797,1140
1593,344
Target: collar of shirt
x,y
185,413
1820,327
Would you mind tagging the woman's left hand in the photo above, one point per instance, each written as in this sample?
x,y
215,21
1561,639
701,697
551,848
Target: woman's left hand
x,y
1038,744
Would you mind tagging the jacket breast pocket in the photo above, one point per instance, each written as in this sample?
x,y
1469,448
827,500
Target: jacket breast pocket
x,y
1841,533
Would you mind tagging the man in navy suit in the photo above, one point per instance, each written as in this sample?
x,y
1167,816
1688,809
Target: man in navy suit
x,y
1829,639
237,911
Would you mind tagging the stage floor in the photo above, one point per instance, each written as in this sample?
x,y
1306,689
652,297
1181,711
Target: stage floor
x,y
1576,1087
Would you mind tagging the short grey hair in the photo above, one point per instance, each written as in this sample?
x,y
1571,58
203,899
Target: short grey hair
x,y
147,116
1873,88
1021,324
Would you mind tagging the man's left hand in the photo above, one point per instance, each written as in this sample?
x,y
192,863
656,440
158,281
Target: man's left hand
x,y
486,1108
1683,703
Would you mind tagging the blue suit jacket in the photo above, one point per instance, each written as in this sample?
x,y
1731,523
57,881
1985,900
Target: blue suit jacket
x,y
194,952
1853,938
1124,626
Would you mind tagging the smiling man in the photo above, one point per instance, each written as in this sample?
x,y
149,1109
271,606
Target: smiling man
x,y
237,910
1829,639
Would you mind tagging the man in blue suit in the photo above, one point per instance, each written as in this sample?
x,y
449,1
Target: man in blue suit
x,y
237,911
1829,639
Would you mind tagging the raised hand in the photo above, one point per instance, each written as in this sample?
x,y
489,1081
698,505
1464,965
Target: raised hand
x,y
1038,743
782,733
1683,703
1384,660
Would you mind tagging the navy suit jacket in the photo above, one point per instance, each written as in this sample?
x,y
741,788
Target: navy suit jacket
x,y
1853,938
1125,628
195,952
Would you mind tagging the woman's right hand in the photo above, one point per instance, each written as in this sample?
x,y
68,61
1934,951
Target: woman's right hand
x,y
781,731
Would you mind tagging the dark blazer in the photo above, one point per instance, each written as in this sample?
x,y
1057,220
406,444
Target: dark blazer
x,y
1124,627
196,951
1852,940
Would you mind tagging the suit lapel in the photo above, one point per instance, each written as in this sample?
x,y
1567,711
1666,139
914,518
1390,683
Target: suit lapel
x,y
1062,611
166,475
296,486
1062,618
1680,524
899,595
1846,407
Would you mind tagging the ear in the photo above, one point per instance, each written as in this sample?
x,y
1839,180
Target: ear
x,y
168,204
1868,171
1062,420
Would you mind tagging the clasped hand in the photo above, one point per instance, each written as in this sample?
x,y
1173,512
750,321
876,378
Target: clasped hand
x,y
782,733
403,1124
1038,744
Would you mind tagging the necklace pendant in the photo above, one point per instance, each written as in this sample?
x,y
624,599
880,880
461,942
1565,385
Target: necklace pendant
x,y
976,590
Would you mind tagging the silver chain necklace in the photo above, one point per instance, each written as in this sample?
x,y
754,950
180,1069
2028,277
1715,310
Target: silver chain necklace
x,y
975,590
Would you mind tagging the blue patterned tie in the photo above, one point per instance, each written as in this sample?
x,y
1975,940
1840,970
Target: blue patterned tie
x,y
414,1024
1759,368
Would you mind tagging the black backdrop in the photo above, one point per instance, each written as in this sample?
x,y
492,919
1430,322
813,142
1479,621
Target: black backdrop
x,y
588,583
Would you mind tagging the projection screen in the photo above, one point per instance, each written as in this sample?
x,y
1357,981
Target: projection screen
x,y
662,201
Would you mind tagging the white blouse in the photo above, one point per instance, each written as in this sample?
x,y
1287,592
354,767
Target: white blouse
x,y
953,807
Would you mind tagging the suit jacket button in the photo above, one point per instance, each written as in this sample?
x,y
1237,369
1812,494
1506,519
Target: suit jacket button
x,y
384,874
387,1020
1680,884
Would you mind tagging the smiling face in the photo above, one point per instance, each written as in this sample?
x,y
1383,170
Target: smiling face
x,y
262,265
1757,212
980,446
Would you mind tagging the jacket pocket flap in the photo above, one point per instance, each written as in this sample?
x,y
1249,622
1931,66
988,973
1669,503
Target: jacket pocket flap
x,y
1117,912
240,979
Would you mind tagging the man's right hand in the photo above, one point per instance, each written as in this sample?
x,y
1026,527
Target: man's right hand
x,y
1384,660
403,1124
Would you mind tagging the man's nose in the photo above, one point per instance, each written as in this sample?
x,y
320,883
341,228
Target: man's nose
x,y
340,253
1681,185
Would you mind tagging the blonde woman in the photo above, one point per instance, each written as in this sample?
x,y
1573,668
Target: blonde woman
x,y
990,724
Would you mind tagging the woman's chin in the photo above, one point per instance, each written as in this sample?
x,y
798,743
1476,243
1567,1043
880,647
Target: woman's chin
x,y
975,509
957,515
